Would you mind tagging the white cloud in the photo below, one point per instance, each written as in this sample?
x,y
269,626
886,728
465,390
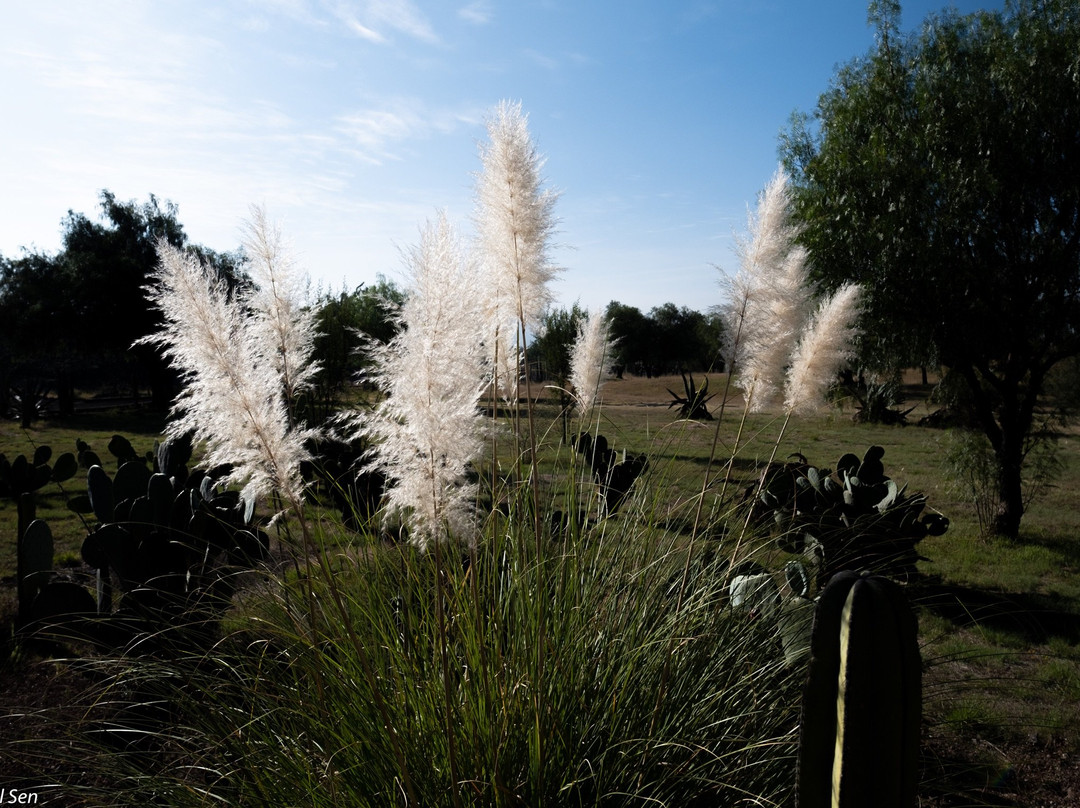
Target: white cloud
x,y
362,31
139,99
378,133
298,10
373,131
478,12
404,16
368,18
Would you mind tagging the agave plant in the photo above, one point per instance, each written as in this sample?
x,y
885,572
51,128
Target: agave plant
x,y
692,405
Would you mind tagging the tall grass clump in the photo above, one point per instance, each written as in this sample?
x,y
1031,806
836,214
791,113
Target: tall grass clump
x,y
499,656
269,717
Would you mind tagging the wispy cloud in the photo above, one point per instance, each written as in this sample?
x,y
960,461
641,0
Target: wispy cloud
x,y
573,59
479,12
541,59
370,19
297,11
374,130
142,108
354,26
378,132
138,94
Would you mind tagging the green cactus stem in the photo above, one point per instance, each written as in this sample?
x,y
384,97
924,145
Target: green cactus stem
x,y
859,738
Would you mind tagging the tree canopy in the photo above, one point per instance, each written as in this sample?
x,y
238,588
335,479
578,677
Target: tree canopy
x,y
71,318
345,320
940,171
669,339
81,309
551,349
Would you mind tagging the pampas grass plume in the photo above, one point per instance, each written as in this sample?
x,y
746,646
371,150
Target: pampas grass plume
x,y
770,229
587,360
283,323
769,298
233,400
428,428
824,348
515,221
778,315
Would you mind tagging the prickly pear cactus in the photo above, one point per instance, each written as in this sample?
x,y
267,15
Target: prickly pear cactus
x,y
170,540
34,563
859,737
853,518
24,475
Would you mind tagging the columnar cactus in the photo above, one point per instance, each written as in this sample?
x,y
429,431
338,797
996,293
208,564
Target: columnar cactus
x,y
859,739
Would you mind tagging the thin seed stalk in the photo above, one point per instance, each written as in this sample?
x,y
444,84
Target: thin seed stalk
x,y
757,492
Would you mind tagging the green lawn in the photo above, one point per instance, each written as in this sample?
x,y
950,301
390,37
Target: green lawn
x,y
999,619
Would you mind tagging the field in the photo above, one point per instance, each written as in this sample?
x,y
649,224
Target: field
x,y
999,620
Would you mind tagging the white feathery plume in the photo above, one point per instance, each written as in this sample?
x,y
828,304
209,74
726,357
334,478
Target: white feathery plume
x,y
769,298
783,306
232,400
428,428
770,229
515,222
824,348
284,324
587,359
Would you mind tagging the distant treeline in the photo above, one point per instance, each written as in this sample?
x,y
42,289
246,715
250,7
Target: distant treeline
x,y
71,320
666,340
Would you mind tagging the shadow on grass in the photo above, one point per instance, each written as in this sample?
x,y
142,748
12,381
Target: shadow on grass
x,y
954,778
1029,618
123,421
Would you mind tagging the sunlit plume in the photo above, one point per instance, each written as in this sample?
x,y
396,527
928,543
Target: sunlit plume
x,y
769,299
825,346
587,360
427,429
233,400
281,318
514,222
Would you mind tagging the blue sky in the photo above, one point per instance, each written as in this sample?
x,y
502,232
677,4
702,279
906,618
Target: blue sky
x,y
354,121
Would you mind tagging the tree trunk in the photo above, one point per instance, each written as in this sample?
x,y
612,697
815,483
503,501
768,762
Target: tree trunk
x,y
5,389
1014,423
65,393
1003,406
28,404
1010,493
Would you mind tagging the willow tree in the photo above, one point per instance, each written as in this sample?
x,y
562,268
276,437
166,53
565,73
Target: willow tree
x,y
942,172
